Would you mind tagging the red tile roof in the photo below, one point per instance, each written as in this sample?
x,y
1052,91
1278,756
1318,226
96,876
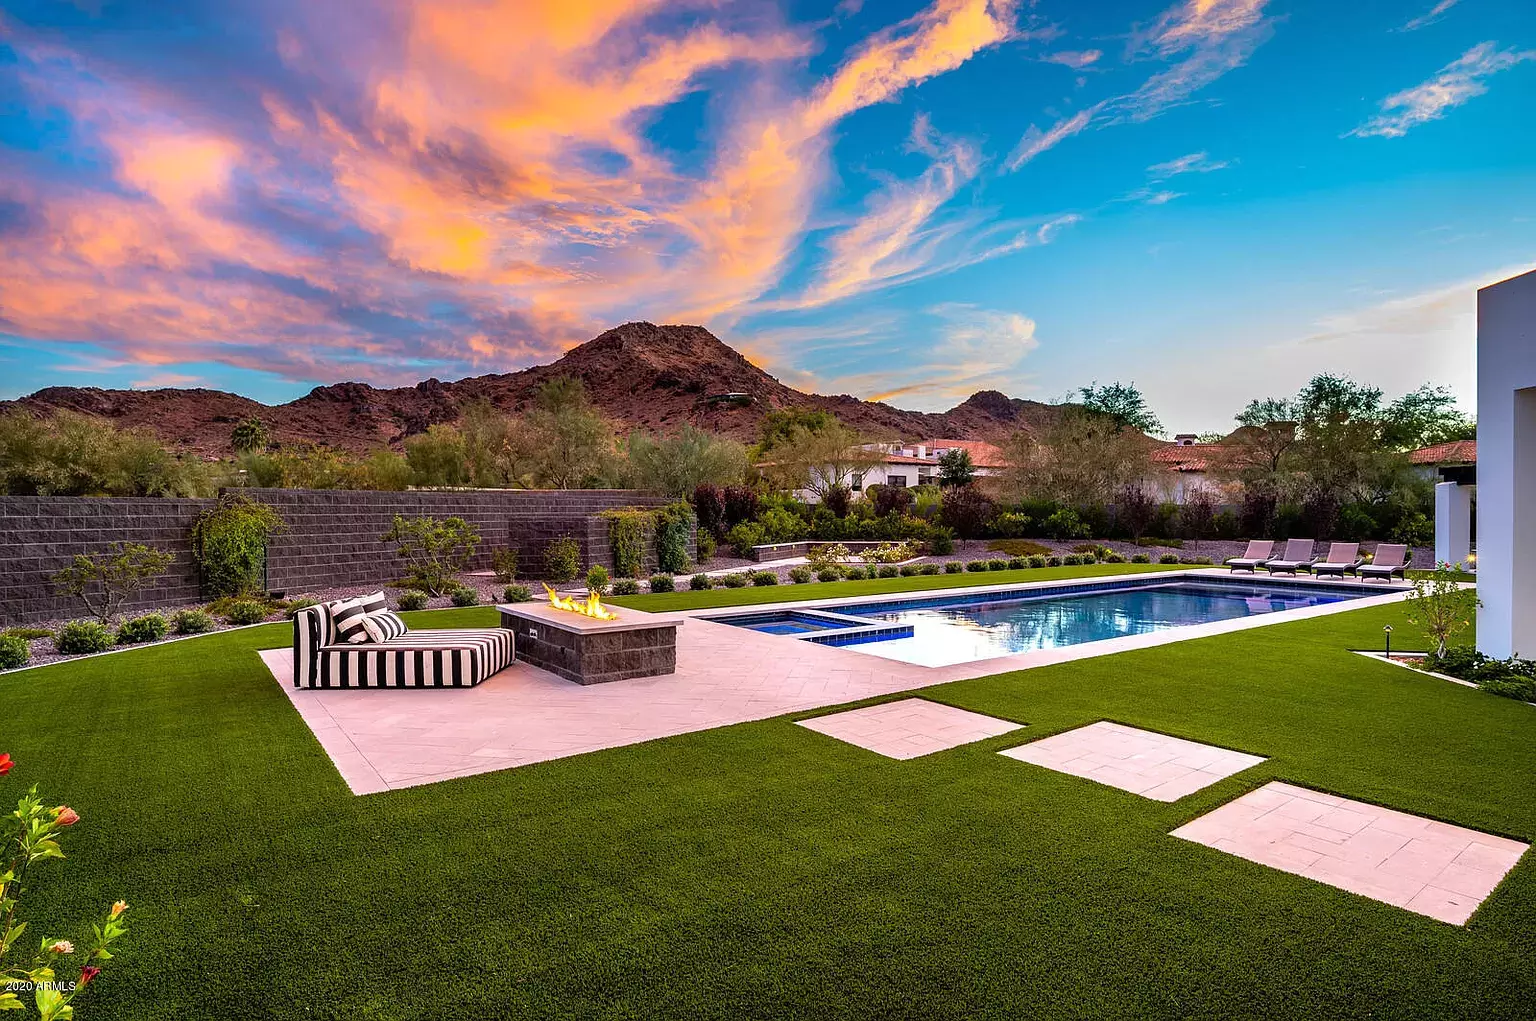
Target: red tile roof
x,y
1195,457
1454,452
983,454
932,462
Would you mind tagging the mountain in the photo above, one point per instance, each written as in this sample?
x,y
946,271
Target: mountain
x,y
640,375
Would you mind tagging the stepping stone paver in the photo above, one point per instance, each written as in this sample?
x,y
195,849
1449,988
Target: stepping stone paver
x,y
909,728
1434,868
1153,765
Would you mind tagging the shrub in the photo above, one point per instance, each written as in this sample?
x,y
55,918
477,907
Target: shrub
x,y
191,622
1168,558
82,636
1141,558
434,551
626,587
908,570
597,578
700,582
737,580
104,581
929,569
662,582
709,505
1112,558
416,599
504,565
1071,560
229,542
246,611
626,538
1017,563
26,634
149,627
1520,688
800,575
975,565
744,536
889,500
1414,529
941,541
889,571
301,603
674,523
830,574
1065,524
516,594
706,546
1441,607
953,567
764,578
562,559
853,574
967,512
464,596
740,505
828,556
1038,560
1013,525
1052,561
14,652
1017,547
997,564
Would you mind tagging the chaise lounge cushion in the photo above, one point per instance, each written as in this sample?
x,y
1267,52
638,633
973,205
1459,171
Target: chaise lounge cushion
x,y
417,659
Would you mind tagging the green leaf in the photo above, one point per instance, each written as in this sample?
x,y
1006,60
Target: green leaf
x,y
9,1001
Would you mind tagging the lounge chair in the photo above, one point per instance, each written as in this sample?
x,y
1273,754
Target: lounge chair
x,y
1297,557
459,658
1343,558
1390,559
1259,550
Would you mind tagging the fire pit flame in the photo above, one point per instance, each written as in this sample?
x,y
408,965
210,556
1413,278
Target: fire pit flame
x,y
592,606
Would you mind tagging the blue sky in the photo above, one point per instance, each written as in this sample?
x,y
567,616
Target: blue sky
x,y
1214,199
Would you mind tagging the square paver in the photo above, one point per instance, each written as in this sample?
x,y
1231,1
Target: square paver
x,y
1433,868
909,728
1153,765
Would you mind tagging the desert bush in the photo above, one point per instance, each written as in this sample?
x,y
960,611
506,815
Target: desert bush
x,y
1197,515
744,536
229,542
764,578
661,582
801,575
464,596
562,559
148,627
192,622
1168,558
1038,560
1414,529
597,578
626,587
829,574
908,570
854,574
1017,563
626,539
706,545
941,541
997,564
104,581
953,567
709,505
967,512
700,582
829,556
975,565
1113,558
889,571
1065,524
413,599
740,505
246,611
738,579
888,500
1013,525
1141,558
515,594
929,569
434,551
1053,561
293,606
82,636
504,565
14,652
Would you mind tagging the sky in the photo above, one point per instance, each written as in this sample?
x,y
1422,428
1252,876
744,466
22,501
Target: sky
x,y
1213,199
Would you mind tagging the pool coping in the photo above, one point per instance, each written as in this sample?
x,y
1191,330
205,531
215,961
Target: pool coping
x,y
1387,594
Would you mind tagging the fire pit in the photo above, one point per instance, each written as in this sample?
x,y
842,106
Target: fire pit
x,y
583,641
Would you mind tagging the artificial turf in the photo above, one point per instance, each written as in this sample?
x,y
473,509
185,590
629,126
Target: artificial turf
x,y
767,871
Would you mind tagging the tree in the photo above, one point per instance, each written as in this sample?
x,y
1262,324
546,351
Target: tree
x,y
821,460
709,507
956,468
250,435
780,424
104,581
434,551
568,440
436,457
1123,403
1084,458
71,454
495,447
1440,606
1423,418
1135,509
679,464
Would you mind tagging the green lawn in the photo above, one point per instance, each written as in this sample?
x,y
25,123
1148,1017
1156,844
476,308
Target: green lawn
x,y
766,871
752,595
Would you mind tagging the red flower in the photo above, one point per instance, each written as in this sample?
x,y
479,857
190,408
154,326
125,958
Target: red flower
x,y
65,816
5,763
86,974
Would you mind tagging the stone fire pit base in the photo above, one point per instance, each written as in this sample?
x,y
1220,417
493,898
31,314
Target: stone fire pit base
x,y
590,651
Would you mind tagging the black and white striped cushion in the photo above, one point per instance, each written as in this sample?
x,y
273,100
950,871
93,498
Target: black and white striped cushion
x,y
347,621
374,602
383,626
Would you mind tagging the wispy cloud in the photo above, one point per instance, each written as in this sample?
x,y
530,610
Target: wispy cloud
x,y
1074,58
1430,16
1036,141
1194,163
1453,85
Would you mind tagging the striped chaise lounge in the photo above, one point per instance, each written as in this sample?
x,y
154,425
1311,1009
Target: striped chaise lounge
x,y
459,658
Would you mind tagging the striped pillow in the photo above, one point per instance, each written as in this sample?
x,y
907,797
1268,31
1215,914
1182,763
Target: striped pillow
x,y
373,602
347,621
383,626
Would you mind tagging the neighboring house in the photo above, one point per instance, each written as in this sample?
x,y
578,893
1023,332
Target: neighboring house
x,y
917,464
1455,461
1186,466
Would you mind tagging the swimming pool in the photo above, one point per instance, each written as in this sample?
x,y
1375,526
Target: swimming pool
x,y
940,629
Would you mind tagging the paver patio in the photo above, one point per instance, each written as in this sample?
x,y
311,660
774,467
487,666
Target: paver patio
x,y
1153,765
1433,868
910,727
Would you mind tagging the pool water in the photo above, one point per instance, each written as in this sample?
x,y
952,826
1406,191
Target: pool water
x,y
943,629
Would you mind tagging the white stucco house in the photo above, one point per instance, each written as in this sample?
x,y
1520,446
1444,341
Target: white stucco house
x,y
917,464
1506,467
